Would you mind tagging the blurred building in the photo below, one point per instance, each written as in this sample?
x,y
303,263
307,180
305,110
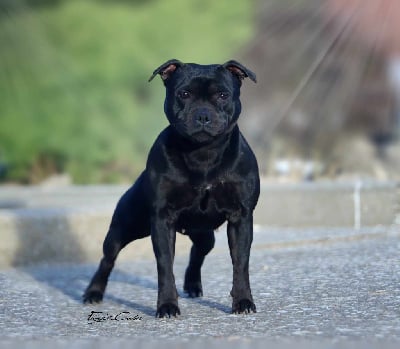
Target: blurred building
x,y
328,99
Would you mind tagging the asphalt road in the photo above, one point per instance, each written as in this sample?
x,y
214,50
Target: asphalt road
x,y
337,287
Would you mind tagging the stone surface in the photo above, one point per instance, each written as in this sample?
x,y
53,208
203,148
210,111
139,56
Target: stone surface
x,y
317,285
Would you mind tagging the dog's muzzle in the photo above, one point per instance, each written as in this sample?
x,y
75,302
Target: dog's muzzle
x,y
202,117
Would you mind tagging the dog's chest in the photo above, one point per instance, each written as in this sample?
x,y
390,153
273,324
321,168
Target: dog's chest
x,y
204,206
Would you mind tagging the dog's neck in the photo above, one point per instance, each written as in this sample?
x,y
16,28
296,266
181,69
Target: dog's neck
x,y
211,156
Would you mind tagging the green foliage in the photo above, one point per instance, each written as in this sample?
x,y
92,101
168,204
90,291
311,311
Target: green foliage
x,y
73,79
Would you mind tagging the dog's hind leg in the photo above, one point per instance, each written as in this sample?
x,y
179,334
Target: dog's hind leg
x,y
203,242
130,222
112,245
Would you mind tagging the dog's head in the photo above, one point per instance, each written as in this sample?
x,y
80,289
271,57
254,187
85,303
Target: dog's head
x,y
202,101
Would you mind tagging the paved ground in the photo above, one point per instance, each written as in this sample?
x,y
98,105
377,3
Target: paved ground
x,y
320,286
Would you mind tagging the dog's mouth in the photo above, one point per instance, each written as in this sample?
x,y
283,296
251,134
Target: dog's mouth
x,y
202,136
200,133
207,132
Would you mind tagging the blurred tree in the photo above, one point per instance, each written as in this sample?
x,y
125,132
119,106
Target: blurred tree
x,y
73,93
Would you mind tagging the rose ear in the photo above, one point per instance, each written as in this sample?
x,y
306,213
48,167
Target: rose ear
x,y
239,70
165,70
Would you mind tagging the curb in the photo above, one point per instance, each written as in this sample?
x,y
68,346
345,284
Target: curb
x,y
328,204
57,225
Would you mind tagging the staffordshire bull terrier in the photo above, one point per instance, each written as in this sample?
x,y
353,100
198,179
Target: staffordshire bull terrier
x,y
200,172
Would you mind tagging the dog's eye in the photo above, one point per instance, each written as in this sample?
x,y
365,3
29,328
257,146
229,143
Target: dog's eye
x,y
223,95
184,94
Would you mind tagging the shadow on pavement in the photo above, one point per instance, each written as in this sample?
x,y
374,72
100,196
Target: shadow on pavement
x,y
210,304
47,235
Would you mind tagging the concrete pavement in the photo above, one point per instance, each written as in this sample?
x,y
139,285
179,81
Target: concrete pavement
x,y
338,287
325,272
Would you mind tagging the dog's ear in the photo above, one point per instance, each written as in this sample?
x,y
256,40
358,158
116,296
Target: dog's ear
x,y
239,70
165,70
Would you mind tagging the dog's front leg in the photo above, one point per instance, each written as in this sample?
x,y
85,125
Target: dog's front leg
x,y
240,237
163,238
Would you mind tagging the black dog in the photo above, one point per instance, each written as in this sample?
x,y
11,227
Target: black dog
x,y
200,173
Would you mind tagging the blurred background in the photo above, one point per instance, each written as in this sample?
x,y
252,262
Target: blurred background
x,y
75,105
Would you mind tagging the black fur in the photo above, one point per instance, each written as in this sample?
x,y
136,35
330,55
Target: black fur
x,y
200,173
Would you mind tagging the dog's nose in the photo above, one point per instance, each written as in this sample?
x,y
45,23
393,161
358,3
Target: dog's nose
x,y
203,117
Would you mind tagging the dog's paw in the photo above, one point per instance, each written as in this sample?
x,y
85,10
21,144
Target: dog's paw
x,y
168,310
244,306
193,289
92,297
